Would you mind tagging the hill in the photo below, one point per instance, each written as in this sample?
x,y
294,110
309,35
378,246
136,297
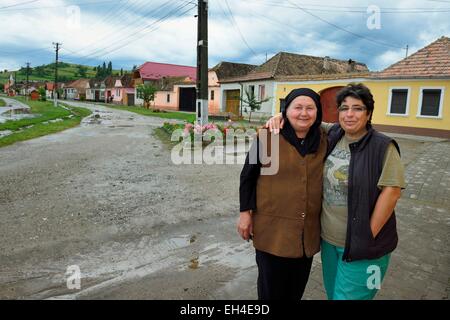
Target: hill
x,y
66,72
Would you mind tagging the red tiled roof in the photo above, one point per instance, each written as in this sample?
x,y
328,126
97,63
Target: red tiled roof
x,y
155,71
429,62
285,64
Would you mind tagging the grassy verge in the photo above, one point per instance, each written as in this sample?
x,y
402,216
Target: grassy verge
x,y
47,112
2,102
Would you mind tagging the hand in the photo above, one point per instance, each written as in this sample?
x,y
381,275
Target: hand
x,y
275,123
245,225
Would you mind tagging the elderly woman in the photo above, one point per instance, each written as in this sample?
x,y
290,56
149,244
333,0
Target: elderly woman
x,y
280,211
363,178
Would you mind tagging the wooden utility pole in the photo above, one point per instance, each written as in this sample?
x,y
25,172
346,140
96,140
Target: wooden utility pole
x,y
202,63
55,87
406,51
28,74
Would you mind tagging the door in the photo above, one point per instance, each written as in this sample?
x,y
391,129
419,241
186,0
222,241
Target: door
x,y
130,99
329,105
233,100
187,99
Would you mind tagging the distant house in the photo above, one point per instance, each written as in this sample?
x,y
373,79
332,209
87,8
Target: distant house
x,y
49,89
76,90
175,93
220,72
9,87
181,96
264,80
124,90
119,89
34,94
95,90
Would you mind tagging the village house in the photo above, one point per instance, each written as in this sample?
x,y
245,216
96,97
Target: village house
x,y
263,81
221,72
95,90
76,90
410,95
119,89
170,96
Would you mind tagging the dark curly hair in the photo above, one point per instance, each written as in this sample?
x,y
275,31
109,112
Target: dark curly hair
x,y
360,92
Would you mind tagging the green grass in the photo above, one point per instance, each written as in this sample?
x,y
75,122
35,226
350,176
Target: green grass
x,y
46,112
2,103
189,117
40,129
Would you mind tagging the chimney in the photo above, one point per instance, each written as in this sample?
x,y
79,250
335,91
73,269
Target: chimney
x,y
351,66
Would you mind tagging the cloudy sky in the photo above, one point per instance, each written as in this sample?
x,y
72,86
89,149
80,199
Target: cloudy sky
x,y
130,32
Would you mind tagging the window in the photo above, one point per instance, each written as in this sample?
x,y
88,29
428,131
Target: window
x,y
430,102
398,101
262,92
251,90
212,94
117,93
168,97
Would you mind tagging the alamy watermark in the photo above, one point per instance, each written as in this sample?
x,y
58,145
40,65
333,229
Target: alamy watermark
x,y
374,20
374,280
74,277
214,147
73,17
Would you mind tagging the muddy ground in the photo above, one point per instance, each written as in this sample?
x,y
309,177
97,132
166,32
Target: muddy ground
x,y
106,197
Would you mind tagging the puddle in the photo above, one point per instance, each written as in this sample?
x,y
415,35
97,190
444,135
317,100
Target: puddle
x,y
5,133
179,242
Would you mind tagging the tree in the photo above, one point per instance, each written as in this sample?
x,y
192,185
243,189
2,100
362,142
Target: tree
x,y
252,104
2,87
109,70
42,94
134,68
121,71
81,70
146,92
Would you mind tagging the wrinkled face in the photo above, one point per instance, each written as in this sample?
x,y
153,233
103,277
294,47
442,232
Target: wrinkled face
x,y
302,113
353,116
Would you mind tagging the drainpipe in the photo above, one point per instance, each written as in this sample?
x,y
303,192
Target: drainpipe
x,y
240,102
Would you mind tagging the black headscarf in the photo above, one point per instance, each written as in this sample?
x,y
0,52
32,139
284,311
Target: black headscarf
x,y
310,144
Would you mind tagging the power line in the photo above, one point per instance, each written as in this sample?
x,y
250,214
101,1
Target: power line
x,y
233,23
19,4
343,29
349,7
61,6
154,26
107,36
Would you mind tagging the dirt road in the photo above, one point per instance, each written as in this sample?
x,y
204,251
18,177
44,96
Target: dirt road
x,y
106,198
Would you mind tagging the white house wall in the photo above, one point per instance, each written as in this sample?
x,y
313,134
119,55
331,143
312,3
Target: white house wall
x,y
267,108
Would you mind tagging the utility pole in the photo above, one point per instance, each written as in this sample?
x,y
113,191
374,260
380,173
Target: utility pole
x,y
202,63
28,73
55,87
406,51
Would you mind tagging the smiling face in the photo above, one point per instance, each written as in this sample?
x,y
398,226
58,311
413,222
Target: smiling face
x,y
354,119
301,113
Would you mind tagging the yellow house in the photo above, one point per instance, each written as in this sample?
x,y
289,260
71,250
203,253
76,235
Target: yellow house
x,y
411,96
